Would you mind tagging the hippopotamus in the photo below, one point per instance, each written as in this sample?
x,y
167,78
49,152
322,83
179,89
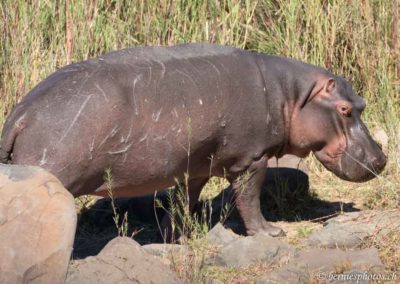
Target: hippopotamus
x,y
161,116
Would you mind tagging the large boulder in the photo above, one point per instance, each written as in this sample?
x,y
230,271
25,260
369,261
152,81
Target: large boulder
x,y
121,261
37,226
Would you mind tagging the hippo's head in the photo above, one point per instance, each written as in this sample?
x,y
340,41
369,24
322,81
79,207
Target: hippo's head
x,y
328,123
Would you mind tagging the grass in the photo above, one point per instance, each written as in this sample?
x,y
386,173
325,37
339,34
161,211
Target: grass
x,y
357,39
121,224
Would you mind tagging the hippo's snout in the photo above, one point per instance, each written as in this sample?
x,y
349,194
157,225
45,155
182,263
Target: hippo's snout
x,y
365,171
360,162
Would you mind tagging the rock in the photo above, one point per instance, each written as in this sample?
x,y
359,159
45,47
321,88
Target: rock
x,y
351,229
325,265
219,236
382,138
121,261
37,226
292,274
340,235
249,250
164,250
332,260
167,252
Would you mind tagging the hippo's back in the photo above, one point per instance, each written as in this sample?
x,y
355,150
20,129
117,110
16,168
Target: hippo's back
x,y
131,110
163,54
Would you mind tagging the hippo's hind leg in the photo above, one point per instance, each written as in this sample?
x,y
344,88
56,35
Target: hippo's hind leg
x,y
189,193
247,188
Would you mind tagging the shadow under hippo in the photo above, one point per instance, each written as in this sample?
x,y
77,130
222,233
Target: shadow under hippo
x,y
285,197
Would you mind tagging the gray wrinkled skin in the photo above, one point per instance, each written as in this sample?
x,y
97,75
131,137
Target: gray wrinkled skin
x,y
153,114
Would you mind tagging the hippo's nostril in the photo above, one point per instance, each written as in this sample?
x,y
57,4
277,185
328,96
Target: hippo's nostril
x,y
379,163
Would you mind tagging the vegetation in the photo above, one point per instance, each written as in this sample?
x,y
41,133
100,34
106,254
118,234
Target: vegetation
x,y
357,39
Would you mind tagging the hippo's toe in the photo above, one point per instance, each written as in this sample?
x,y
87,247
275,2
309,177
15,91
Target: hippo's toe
x,y
267,228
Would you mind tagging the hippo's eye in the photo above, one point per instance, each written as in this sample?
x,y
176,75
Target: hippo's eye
x,y
345,111
344,108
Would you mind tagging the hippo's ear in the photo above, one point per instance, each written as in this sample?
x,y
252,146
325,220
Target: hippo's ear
x,y
330,85
323,87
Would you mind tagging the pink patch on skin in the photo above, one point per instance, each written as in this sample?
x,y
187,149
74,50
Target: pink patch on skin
x,y
331,153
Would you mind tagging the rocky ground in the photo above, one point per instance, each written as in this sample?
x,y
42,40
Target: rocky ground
x,y
119,242
336,244
338,247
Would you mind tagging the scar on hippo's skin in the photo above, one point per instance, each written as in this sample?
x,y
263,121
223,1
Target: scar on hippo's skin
x,y
102,92
179,131
156,116
110,135
162,68
123,150
160,137
268,120
212,65
114,131
133,93
124,140
187,76
143,138
75,118
20,123
91,147
275,130
175,113
43,160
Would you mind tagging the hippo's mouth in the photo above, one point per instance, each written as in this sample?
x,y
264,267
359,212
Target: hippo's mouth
x,y
329,158
331,154
349,160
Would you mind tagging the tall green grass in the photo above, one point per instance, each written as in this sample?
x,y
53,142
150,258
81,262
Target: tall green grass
x,y
350,37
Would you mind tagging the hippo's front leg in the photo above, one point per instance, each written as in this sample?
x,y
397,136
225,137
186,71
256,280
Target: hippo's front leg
x,y
247,188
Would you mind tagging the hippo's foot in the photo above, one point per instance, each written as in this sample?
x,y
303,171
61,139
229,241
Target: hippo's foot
x,y
267,228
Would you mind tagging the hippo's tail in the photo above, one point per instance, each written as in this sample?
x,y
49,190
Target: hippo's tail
x,y
10,132
7,144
